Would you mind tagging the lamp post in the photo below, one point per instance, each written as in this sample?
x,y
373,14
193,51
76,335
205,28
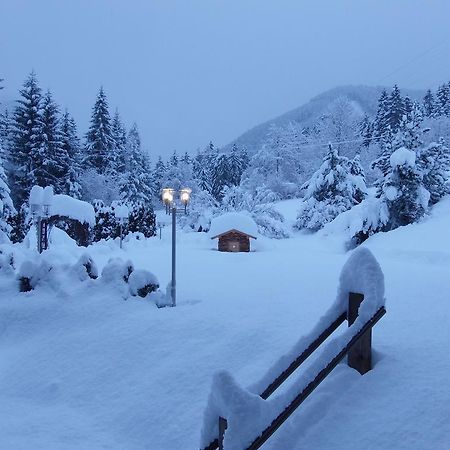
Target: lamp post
x,y
169,199
40,204
121,213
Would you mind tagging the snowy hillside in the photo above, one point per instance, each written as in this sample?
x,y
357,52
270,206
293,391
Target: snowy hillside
x,y
364,98
84,365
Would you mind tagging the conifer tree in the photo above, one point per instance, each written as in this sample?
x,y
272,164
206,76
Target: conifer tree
x,y
443,100
6,204
99,148
429,104
119,136
136,184
381,123
51,163
330,191
158,176
26,139
434,161
403,191
71,146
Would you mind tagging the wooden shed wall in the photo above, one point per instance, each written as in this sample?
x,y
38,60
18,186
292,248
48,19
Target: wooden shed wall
x,y
226,240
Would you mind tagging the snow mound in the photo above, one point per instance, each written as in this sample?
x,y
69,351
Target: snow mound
x,y
233,221
142,282
246,413
63,205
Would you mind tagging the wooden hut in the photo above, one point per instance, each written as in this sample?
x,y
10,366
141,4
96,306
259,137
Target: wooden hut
x,y
233,231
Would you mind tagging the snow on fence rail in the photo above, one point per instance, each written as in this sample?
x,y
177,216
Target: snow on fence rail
x,y
237,418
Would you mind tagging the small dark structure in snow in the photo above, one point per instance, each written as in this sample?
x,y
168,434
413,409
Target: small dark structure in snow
x,y
234,231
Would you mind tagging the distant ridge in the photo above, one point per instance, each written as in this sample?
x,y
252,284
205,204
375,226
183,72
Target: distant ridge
x,y
364,97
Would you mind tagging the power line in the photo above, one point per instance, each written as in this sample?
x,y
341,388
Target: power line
x,y
416,58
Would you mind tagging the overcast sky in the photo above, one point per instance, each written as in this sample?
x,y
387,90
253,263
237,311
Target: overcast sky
x,y
190,71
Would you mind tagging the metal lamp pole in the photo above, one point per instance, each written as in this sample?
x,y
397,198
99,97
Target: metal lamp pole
x,y
173,288
168,196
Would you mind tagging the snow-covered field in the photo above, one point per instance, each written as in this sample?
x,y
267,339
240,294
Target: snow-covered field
x,y
83,368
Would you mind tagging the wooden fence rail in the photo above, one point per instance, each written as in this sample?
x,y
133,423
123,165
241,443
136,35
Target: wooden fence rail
x,y
358,350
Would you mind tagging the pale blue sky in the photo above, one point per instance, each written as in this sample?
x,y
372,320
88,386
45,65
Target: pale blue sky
x,y
191,71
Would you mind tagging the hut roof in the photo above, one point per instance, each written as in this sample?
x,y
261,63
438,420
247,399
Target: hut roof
x,y
233,221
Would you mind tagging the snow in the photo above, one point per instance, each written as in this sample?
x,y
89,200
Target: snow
x,y
233,221
140,279
403,156
246,413
83,367
66,206
121,211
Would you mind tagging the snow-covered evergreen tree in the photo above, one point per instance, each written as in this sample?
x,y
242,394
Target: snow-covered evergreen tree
x,y
403,191
26,139
136,183
330,191
51,163
71,146
99,147
119,151
434,161
158,176
443,100
429,104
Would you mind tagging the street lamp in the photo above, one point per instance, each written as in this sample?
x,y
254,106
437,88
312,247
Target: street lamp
x,y
121,213
40,204
169,199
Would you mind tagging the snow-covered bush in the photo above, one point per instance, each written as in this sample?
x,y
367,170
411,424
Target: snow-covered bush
x,y
85,268
117,270
200,212
31,274
332,190
141,219
142,282
270,222
6,263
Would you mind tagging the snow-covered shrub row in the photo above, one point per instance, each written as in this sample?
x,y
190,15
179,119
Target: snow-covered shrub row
x,y
123,275
141,219
246,412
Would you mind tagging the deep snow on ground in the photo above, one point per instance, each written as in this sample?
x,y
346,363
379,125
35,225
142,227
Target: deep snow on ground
x,y
81,367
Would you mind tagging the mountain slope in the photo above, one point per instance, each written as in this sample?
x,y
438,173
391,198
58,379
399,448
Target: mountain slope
x,y
363,98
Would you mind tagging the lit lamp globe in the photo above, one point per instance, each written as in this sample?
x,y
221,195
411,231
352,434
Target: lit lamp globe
x,y
185,195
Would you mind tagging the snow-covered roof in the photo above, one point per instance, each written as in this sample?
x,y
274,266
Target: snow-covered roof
x,y
63,205
233,221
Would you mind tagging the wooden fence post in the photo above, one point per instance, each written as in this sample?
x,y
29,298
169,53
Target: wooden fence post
x,y
222,427
360,356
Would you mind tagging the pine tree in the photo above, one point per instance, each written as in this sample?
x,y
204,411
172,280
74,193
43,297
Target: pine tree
x,y
381,123
434,161
71,146
119,136
6,204
330,191
429,104
136,185
158,176
366,131
403,191
26,139
99,148
443,100
51,162
396,109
